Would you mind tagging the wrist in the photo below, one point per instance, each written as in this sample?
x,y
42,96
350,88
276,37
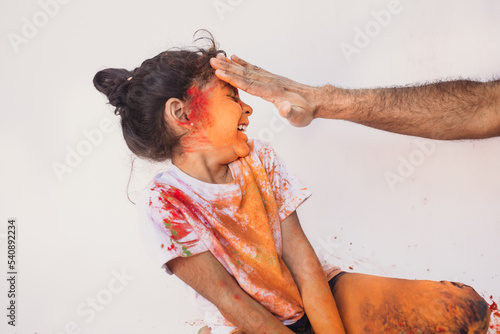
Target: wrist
x,y
330,102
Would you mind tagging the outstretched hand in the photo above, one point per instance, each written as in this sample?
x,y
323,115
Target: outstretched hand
x,y
293,100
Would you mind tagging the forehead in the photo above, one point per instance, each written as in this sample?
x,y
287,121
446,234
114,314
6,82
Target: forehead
x,y
227,87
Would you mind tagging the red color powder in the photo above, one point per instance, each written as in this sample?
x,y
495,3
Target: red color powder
x,y
174,224
178,230
198,104
493,306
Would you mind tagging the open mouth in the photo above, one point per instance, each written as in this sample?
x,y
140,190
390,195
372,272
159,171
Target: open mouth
x,y
242,127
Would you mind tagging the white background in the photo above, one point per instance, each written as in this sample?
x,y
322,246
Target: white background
x,y
75,234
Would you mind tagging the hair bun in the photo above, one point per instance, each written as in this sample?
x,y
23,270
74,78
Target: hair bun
x,y
113,83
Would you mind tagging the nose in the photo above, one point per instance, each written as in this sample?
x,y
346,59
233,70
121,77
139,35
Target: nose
x,y
246,109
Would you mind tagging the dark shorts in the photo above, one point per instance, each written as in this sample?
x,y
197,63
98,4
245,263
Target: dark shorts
x,y
303,326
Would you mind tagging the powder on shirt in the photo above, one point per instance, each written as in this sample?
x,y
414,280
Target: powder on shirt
x,y
239,223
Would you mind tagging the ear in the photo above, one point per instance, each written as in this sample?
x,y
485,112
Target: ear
x,y
176,113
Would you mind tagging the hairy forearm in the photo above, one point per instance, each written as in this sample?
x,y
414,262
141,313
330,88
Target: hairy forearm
x,y
445,110
209,278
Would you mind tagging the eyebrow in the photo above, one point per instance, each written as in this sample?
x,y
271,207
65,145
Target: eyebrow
x,y
231,88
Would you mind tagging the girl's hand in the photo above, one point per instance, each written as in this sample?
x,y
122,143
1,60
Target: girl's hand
x,y
204,273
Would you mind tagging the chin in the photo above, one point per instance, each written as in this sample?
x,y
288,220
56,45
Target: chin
x,y
236,151
245,150
242,150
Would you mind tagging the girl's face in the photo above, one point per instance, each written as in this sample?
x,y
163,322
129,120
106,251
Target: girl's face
x,y
220,119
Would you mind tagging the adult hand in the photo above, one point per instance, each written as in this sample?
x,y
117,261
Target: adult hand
x,y
294,101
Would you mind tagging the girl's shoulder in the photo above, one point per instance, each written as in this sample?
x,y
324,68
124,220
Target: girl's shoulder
x,y
258,145
161,184
265,154
263,150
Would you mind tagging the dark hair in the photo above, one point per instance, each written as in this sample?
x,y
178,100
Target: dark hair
x,y
140,95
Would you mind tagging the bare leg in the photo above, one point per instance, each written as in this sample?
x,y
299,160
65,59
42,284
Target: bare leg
x,y
372,304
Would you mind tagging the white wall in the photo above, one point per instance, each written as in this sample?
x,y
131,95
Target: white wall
x,y
75,234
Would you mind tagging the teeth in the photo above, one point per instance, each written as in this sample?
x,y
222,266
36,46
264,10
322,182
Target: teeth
x,y
242,127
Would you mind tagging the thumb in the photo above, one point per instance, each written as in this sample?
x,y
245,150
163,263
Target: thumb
x,y
284,109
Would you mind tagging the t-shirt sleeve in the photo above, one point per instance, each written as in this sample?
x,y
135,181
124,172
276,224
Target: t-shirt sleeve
x,y
165,228
289,192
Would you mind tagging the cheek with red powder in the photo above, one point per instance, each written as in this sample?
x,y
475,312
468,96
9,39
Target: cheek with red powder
x,y
199,105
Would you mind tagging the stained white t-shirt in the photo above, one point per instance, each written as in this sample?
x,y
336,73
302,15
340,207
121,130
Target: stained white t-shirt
x,y
238,222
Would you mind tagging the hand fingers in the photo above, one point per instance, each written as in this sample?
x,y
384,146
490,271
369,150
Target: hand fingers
x,y
244,84
240,61
256,82
246,64
226,65
220,56
223,75
230,67
244,69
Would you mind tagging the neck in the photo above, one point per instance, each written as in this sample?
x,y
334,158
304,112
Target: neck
x,y
202,166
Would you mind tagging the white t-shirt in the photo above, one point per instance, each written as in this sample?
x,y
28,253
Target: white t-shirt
x,y
238,222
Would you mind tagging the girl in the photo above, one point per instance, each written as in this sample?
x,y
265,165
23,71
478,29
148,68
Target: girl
x,y
223,217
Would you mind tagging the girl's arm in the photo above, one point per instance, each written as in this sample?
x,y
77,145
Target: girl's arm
x,y
300,258
204,273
